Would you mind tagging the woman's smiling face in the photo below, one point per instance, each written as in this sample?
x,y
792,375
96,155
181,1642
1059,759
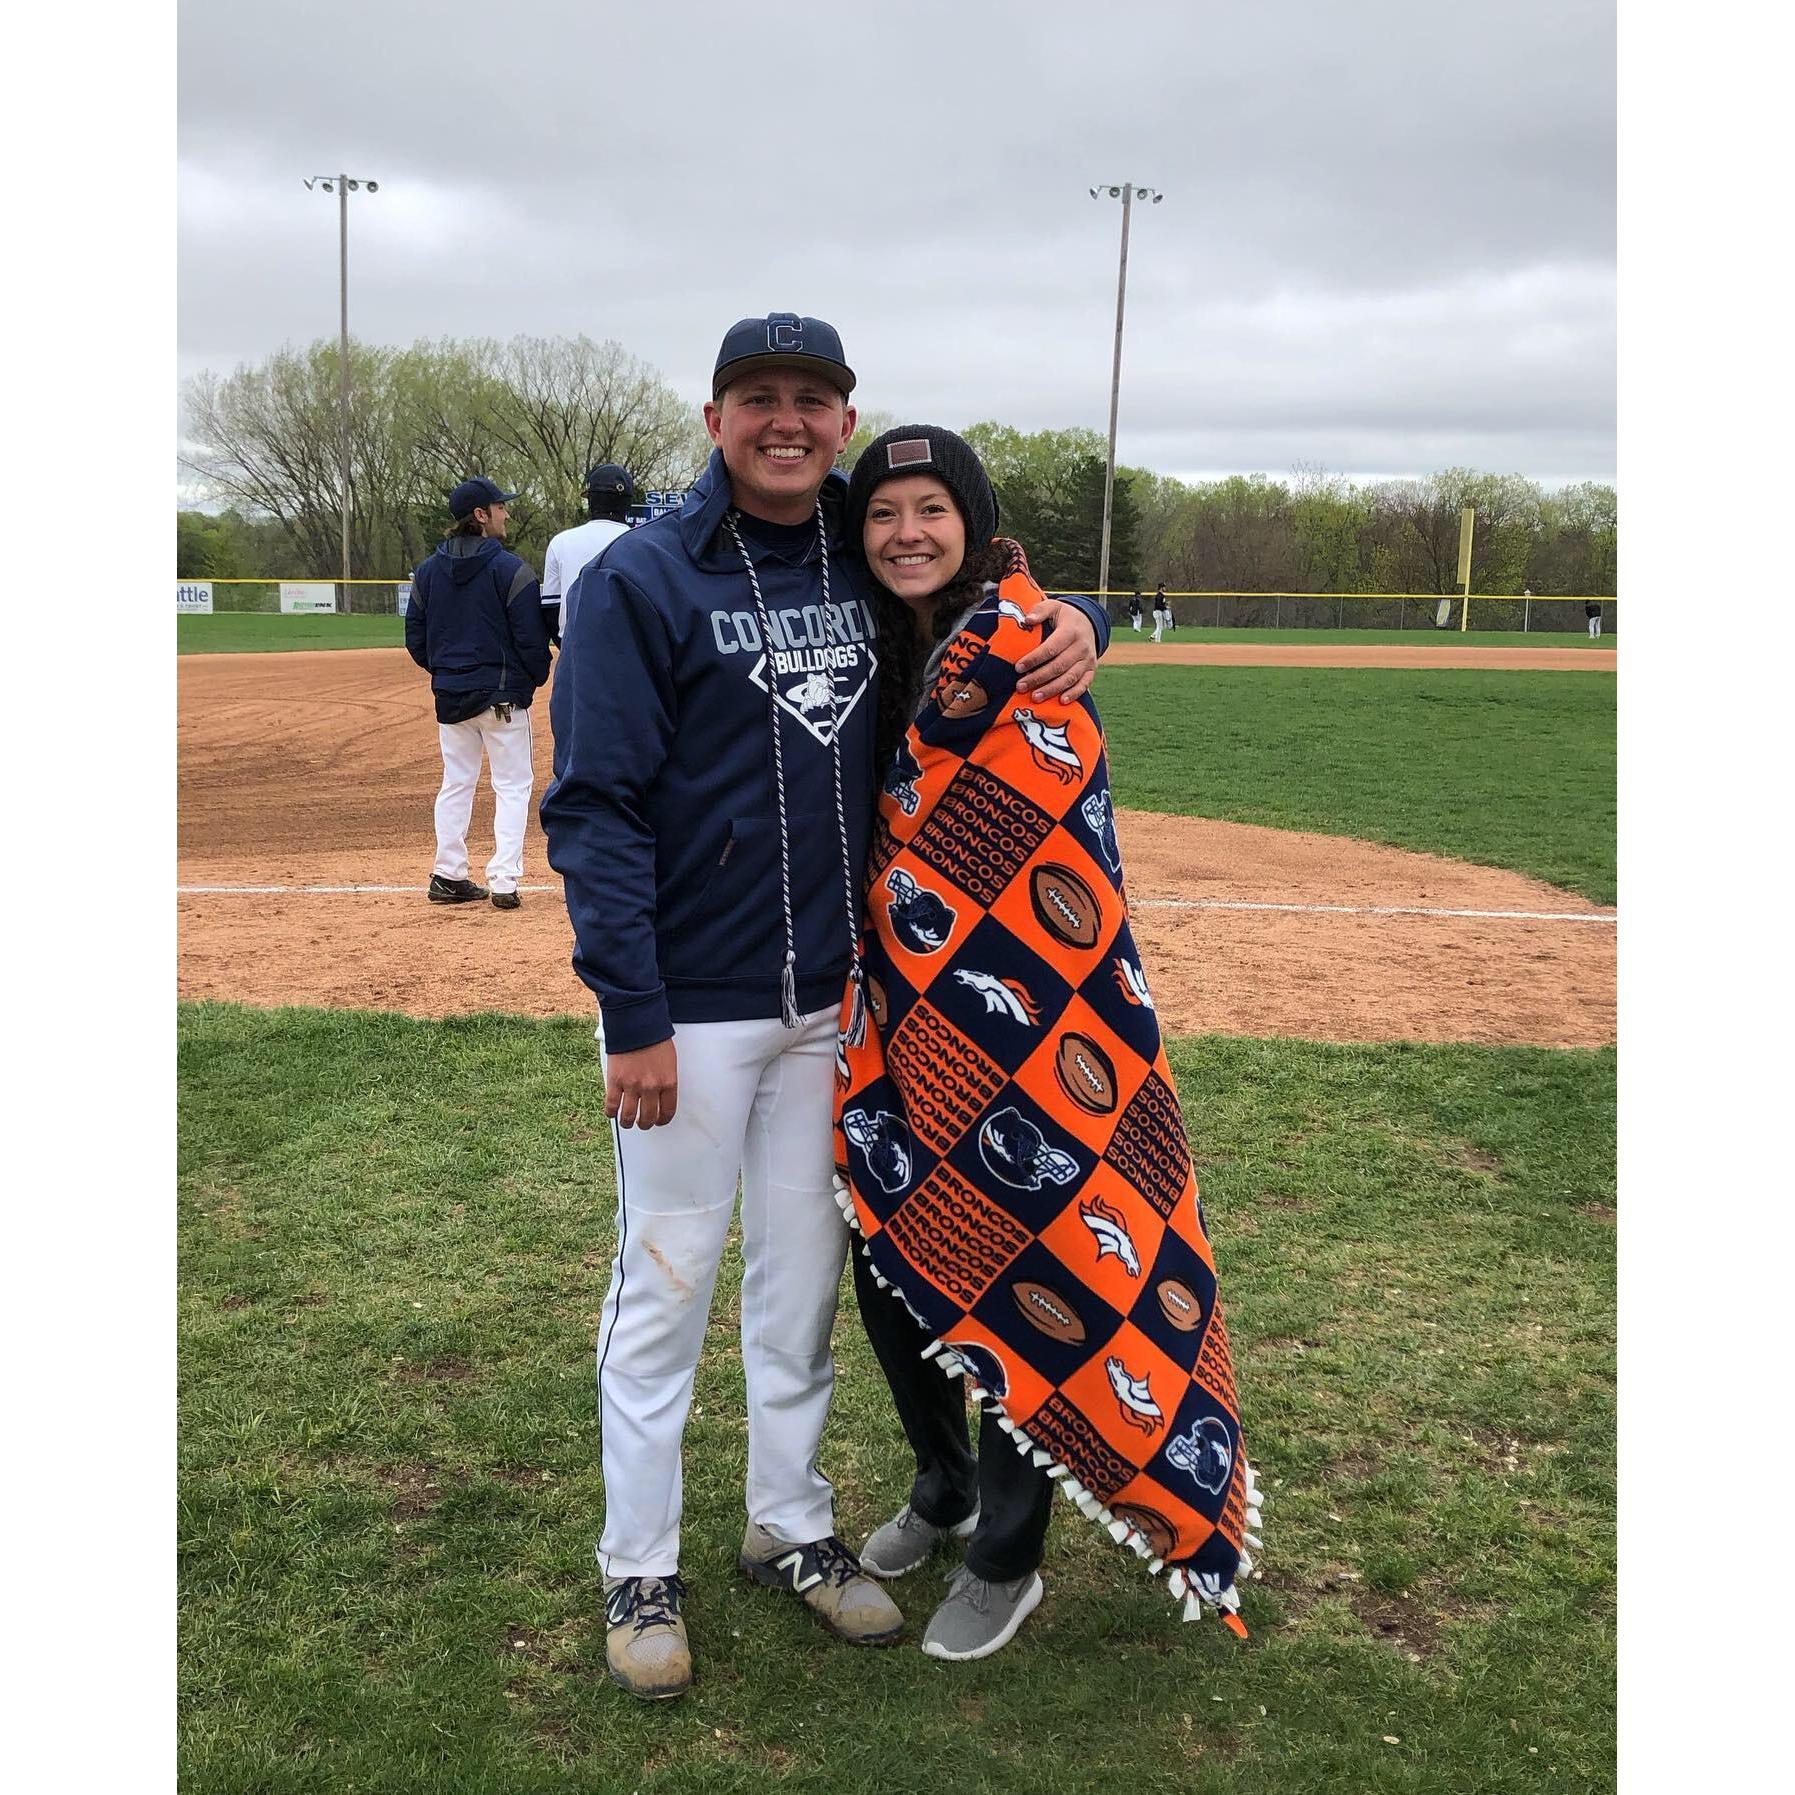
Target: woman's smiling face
x,y
915,538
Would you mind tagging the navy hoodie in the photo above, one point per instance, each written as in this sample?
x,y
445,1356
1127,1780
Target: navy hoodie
x,y
475,622
663,815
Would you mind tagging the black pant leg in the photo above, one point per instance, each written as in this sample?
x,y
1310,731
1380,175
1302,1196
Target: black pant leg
x,y
930,1405
1015,1505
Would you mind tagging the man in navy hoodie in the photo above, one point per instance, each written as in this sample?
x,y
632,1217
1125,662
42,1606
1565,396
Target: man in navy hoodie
x,y
475,623
712,802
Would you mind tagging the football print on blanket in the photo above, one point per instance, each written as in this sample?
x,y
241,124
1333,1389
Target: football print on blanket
x,y
1086,1074
1047,1310
1064,905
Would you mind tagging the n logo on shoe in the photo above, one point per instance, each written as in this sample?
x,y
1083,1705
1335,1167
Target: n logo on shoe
x,y
793,1566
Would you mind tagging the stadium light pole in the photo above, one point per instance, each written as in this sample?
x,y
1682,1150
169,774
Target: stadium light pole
x,y
343,186
1126,193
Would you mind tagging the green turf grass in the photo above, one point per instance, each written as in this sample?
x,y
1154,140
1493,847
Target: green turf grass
x,y
250,632
263,633
1507,769
394,1243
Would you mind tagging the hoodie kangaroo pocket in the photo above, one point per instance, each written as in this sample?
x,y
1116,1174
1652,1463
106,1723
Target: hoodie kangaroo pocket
x,y
734,928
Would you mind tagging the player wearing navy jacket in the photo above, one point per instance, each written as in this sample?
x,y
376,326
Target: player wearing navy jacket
x,y
712,801
475,623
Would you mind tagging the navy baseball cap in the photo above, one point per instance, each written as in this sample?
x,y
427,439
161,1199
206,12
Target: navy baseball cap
x,y
470,495
782,340
609,477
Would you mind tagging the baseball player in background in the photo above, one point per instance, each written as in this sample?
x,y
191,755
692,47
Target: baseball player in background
x,y
1162,612
475,624
1134,612
608,489
710,813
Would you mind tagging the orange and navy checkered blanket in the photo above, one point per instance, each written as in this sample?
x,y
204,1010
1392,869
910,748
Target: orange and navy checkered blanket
x,y
1008,1137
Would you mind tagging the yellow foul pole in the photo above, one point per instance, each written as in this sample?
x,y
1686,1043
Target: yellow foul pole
x,y
1467,521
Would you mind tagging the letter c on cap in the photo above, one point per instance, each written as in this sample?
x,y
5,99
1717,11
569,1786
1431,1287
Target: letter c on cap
x,y
785,330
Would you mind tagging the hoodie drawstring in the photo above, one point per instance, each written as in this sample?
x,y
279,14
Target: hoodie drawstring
x,y
788,982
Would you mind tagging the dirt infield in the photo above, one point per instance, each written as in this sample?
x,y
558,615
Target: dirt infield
x,y
309,770
1124,653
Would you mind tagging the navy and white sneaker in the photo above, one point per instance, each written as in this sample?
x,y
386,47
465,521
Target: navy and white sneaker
x,y
826,1576
645,1637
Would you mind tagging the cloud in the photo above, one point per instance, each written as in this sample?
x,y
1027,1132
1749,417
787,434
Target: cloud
x,y
1388,230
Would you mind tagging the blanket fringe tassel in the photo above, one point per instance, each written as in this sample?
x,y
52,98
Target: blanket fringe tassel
x,y
1191,1592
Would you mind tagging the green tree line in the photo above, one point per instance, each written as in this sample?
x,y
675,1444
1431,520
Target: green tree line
x,y
535,413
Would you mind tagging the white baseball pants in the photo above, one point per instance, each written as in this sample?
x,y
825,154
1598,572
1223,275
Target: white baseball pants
x,y
507,747
1595,626
1135,621
755,1098
1159,622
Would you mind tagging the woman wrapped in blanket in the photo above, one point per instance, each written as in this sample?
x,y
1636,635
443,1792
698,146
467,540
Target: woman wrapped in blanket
x,y
1009,1144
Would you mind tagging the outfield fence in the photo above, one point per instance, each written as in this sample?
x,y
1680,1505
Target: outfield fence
x,y
362,598
1421,612
1531,613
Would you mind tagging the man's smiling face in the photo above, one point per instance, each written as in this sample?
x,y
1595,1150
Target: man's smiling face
x,y
780,432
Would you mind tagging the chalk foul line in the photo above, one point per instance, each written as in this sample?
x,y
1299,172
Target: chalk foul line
x,y
1583,916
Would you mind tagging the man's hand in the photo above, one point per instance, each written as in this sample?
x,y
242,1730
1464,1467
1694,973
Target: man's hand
x,y
1066,662
642,1088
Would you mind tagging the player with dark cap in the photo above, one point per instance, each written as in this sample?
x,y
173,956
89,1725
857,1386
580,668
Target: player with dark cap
x,y
475,624
608,488
710,814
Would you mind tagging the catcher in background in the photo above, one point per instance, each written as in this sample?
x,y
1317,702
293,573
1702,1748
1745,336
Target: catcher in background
x,y
1009,1142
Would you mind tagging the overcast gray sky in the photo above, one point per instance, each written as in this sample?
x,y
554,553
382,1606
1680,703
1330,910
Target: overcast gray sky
x,y
1387,243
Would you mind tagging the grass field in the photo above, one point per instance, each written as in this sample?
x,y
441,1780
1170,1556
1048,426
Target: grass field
x,y
260,633
395,1238
248,632
1506,769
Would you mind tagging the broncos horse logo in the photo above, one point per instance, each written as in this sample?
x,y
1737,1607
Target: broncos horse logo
x,y
884,1140
919,919
1133,1395
901,780
1204,1455
1112,1234
1050,746
1003,997
1016,1151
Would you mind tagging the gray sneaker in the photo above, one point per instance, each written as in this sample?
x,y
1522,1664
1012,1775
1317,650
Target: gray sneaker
x,y
979,1618
906,1540
826,1576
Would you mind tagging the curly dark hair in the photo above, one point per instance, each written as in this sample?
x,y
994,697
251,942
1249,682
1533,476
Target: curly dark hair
x,y
902,656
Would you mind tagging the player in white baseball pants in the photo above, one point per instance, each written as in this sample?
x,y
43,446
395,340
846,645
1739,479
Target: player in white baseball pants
x,y
506,742
757,1096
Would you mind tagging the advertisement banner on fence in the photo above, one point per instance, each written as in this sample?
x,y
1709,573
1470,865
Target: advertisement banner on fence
x,y
193,598
307,595
403,591
653,505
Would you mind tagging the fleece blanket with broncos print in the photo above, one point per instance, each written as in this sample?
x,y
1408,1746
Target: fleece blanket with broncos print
x,y
1009,1143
